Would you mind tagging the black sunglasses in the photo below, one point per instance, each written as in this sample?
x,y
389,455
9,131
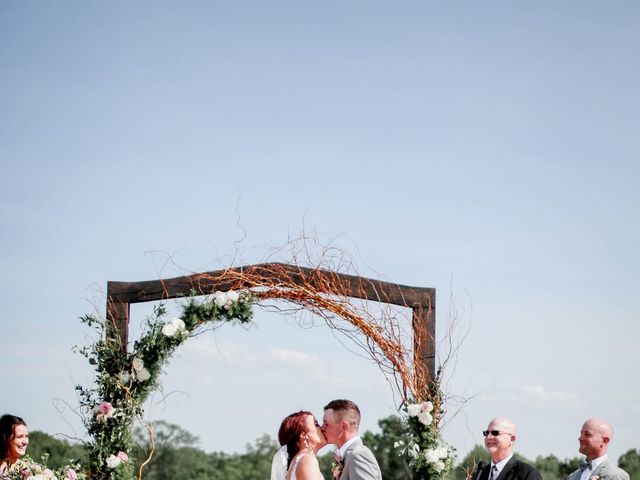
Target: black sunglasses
x,y
494,433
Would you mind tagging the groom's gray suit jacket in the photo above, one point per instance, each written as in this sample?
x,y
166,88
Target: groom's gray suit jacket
x,y
360,464
605,471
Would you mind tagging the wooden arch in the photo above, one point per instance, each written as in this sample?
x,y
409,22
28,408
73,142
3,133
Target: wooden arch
x,y
120,295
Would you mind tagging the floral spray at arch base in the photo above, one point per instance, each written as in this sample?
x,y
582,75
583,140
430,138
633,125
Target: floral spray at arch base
x,y
429,455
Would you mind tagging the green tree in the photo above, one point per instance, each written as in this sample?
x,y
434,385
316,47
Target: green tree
x,y
630,463
393,465
549,467
57,452
470,462
172,445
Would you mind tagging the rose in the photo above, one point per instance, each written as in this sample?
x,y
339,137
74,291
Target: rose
x,y
71,474
175,326
137,364
103,410
220,299
48,474
113,461
142,375
124,377
425,418
169,329
336,470
225,299
414,409
123,456
431,455
233,296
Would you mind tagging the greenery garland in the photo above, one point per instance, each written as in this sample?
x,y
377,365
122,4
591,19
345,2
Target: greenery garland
x,y
124,380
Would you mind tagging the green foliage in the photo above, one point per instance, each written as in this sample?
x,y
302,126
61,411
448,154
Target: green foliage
x,y
630,463
57,452
393,465
469,463
124,380
550,467
178,457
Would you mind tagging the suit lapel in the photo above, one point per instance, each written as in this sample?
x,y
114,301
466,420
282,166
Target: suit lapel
x,y
355,444
601,470
506,471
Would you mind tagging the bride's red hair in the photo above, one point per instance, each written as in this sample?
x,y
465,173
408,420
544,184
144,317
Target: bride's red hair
x,y
291,429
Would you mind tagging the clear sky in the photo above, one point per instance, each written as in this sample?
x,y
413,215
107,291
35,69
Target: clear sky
x,y
487,149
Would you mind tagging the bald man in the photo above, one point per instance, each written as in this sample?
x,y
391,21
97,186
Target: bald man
x,y
594,440
499,440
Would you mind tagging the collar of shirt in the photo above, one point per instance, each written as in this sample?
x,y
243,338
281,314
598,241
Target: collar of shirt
x,y
343,449
597,461
500,465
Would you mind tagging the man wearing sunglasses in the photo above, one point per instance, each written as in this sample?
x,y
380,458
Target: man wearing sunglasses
x,y
499,440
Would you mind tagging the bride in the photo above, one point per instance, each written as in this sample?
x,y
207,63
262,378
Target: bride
x,y
300,437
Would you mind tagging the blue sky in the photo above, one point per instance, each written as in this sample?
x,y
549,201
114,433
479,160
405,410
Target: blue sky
x,y
489,150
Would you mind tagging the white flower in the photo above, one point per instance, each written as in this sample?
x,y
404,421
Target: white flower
x,y
169,330
442,452
414,450
124,377
398,444
113,461
414,409
233,296
425,418
438,466
49,475
220,298
431,455
427,407
175,326
137,363
142,375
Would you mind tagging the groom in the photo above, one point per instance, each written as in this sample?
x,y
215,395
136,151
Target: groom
x,y
340,426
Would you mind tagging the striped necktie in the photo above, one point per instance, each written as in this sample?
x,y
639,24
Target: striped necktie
x,y
494,473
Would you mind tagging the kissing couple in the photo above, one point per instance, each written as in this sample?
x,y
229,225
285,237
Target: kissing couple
x,y
301,436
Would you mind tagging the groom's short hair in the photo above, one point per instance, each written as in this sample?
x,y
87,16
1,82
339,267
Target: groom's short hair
x,y
345,410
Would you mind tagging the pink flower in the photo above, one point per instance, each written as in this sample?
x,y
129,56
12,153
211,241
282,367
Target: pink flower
x,y
105,408
71,474
123,456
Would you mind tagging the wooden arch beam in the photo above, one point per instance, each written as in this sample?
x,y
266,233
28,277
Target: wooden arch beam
x,y
120,295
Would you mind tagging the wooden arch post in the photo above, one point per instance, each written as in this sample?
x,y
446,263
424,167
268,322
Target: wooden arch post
x,y
120,295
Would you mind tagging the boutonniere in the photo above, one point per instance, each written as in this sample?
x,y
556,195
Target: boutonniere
x,y
337,466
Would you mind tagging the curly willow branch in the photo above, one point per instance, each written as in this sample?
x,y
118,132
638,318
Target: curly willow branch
x,y
328,294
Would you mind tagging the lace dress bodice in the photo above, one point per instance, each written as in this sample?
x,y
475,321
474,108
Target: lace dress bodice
x,y
295,465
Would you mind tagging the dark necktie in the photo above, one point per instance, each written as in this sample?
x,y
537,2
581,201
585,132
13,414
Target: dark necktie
x,y
494,473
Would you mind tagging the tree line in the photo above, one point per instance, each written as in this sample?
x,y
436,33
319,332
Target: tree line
x,y
177,456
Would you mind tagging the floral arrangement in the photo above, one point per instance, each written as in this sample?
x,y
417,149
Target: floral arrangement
x,y
337,466
429,455
27,469
125,379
